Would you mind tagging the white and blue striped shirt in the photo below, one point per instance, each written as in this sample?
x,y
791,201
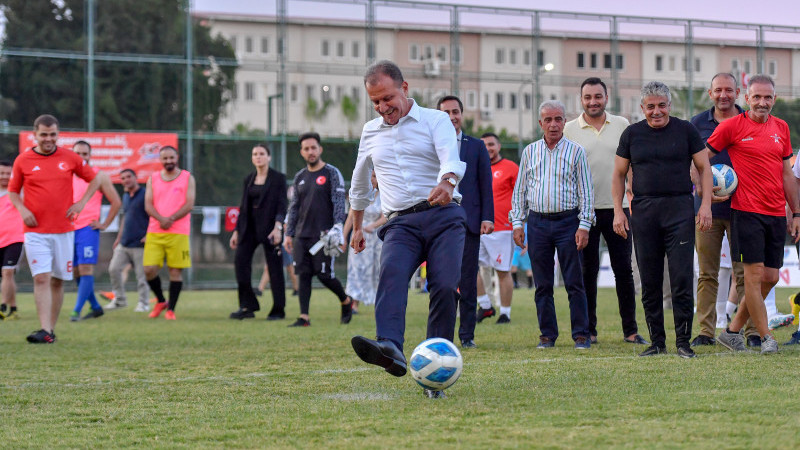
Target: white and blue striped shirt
x,y
552,181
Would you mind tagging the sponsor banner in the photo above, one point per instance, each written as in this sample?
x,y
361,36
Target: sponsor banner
x,y
112,152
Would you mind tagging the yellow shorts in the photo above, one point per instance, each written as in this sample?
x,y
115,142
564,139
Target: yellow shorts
x,y
175,247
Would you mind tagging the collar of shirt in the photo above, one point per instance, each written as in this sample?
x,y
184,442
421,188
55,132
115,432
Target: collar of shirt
x,y
584,124
459,138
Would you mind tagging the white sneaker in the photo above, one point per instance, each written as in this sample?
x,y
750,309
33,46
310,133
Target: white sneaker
x,y
780,320
114,304
142,308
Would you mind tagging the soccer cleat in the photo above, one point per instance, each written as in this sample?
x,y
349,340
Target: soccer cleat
x,y
41,337
795,340
583,343
430,393
686,352
12,315
142,307
93,314
347,313
654,350
794,302
484,313
74,316
300,322
780,320
769,345
2,316
170,315
702,339
732,341
503,319
108,295
157,309
546,342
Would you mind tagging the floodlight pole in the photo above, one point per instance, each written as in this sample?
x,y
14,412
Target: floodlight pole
x,y
270,98
90,10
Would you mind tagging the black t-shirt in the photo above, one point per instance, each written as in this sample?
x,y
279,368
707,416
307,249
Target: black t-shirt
x,y
254,194
660,157
318,202
136,219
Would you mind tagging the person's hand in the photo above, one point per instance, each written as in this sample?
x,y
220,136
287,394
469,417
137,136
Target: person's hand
x,y
487,227
234,240
795,232
581,238
719,199
703,219
287,242
369,228
96,225
275,236
442,194
357,241
519,237
74,210
166,223
621,225
115,244
28,218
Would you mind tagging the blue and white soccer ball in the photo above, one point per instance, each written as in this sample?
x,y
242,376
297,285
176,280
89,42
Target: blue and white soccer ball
x,y
436,364
724,177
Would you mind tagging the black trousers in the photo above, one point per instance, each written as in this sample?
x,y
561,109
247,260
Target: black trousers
x,y
619,251
468,286
665,226
307,265
243,262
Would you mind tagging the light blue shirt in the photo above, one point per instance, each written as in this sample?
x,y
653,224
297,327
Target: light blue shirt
x,y
409,159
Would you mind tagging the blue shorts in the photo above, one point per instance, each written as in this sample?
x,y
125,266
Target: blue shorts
x,y
521,262
287,257
87,245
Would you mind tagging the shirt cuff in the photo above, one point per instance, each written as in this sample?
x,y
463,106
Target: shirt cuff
x,y
517,224
585,225
456,167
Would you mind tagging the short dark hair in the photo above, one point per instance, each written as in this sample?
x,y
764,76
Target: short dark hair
x,y
726,74
46,120
593,81
6,163
128,169
82,142
309,135
490,134
384,67
450,97
167,147
265,147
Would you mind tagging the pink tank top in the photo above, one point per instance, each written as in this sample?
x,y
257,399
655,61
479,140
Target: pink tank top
x,y
92,210
11,226
168,197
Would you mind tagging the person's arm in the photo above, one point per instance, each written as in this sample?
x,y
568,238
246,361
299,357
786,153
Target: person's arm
x,y
234,241
118,239
790,183
485,189
585,201
338,199
519,198
188,205
107,188
27,216
149,208
700,160
621,166
450,165
94,184
276,235
377,224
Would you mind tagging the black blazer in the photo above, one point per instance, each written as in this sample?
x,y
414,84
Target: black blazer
x,y
268,209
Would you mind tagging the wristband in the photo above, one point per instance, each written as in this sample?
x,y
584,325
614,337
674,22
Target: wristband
x,y
795,215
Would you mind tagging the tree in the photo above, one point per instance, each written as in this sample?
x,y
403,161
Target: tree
x,y
350,112
680,102
790,112
315,112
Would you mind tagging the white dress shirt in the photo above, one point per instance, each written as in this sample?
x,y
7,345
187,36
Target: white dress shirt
x,y
409,159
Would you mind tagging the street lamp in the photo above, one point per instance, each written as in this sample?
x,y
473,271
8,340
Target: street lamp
x,y
546,68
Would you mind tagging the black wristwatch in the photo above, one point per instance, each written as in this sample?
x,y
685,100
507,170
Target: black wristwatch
x,y
795,215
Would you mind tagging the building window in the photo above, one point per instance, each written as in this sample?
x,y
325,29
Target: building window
x,y
697,65
235,91
310,89
528,101
472,98
659,63
593,60
326,93
413,52
248,44
326,48
356,49
747,65
280,46
581,61
427,52
354,92
457,56
249,91
620,61
498,100
512,56
500,56
526,57
512,101
672,64
441,55
293,93
773,68
340,49
264,45
540,58
233,42
735,66
485,101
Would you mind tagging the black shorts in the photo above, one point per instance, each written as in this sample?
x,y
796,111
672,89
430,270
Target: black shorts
x,y
320,264
757,238
10,255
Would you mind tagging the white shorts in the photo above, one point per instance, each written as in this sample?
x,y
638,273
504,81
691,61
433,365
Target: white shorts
x,y
497,250
50,252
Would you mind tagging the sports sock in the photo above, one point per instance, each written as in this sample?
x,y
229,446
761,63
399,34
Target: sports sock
x,y
304,291
730,309
3,308
514,279
13,309
174,291
155,286
530,282
769,302
484,301
505,310
84,289
92,299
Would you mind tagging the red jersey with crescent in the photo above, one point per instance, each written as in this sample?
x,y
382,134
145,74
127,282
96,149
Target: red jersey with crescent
x,y
757,151
11,224
504,176
168,197
47,180
91,211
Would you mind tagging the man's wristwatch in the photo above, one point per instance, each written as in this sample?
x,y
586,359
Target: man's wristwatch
x,y
451,180
279,227
795,215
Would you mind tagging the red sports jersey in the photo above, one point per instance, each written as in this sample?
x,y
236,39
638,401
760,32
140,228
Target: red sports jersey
x,y
504,176
757,151
47,180
91,211
10,223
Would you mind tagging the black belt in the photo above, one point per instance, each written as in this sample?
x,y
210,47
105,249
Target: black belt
x,y
419,207
555,216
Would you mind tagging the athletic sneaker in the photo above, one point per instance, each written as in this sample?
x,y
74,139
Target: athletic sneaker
x,y
300,322
116,304
142,307
12,315
769,345
158,309
170,315
93,314
686,352
795,340
582,343
732,341
780,320
74,316
484,313
108,295
503,319
2,316
41,337
794,303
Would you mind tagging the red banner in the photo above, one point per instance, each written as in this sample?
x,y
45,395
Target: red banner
x,y
112,152
231,217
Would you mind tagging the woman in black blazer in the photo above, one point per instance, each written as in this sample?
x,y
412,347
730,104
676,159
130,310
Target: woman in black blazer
x,y
261,215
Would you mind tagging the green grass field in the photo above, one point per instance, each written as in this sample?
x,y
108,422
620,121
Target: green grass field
x,y
207,381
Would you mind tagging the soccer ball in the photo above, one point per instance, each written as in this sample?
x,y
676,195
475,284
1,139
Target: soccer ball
x,y
726,178
436,364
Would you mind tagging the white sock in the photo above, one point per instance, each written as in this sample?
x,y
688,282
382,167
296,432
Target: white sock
x,y
505,310
722,294
484,301
730,309
769,302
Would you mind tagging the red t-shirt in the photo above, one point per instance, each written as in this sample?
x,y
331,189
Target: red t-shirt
x,y
757,151
47,180
504,176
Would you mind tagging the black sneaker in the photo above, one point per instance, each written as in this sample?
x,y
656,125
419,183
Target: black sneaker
x,y
294,293
702,339
503,319
41,337
653,350
795,339
258,292
468,343
242,314
754,341
430,393
686,352
300,322
93,314
484,313
347,313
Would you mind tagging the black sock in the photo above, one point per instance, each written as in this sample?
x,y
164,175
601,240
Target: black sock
x,y
13,309
174,292
155,286
3,308
514,278
530,282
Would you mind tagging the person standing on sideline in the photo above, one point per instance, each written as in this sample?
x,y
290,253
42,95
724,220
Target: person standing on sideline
x,y
87,232
476,199
45,173
318,207
261,214
168,199
129,245
415,157
759,147
497,249
554,191
11,238
660,151
598,132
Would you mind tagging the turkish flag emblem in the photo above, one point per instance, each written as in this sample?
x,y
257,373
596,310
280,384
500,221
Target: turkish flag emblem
x,y
321,180
231,217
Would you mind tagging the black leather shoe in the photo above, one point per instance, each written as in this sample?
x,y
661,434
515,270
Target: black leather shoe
x,y
686,352
702,339
276,314
754,341
638,339
468,343
242,314
654,350
381,353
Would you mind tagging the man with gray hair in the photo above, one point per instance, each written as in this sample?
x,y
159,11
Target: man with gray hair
x,y
554,192
660,151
